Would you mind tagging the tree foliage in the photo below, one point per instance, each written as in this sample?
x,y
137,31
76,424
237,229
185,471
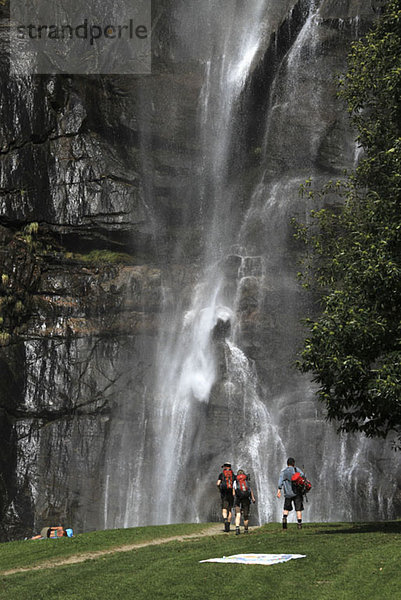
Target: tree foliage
x,y
353,252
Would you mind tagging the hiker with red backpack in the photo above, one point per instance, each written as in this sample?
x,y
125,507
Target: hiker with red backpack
x,y
243,496
295,485
225,483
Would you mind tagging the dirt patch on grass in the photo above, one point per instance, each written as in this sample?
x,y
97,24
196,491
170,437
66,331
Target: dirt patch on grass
x,y
79,558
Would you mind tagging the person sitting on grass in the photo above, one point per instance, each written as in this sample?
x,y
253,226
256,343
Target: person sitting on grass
x,y
53,532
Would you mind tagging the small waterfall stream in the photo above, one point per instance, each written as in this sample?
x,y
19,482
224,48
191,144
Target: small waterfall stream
x,y
256,443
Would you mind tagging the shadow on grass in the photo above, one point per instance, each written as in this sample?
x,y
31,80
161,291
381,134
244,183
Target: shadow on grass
x,y
368,527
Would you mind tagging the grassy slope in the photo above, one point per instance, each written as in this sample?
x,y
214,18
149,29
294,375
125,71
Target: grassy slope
x,y
343,561
33,552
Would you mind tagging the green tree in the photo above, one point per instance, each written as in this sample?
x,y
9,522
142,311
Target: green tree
x,y
353,256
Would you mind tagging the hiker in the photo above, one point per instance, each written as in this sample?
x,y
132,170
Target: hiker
x,y
243,496
225,484
290,496
53,532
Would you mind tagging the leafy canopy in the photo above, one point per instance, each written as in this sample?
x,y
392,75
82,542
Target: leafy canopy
x,y
353,256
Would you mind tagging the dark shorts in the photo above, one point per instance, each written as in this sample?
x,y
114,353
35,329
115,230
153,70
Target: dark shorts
x,y
298,503
243,505
227,501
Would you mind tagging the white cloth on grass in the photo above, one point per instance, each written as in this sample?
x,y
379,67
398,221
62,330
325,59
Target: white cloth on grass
x,y
255,559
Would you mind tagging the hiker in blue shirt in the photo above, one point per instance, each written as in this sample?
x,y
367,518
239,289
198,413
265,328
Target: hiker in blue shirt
x,y
290,497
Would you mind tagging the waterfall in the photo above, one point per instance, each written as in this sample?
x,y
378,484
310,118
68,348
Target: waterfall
x,y
257,443
223,386
346,464
188,361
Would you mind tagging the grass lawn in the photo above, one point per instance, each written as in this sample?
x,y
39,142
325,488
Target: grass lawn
x,y
343,561
33,552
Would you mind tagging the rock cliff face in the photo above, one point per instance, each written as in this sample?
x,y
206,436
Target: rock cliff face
x,y
104,230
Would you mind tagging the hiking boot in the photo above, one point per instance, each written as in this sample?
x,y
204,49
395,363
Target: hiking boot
x,y
237,531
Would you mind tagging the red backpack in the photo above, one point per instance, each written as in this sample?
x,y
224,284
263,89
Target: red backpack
x,y
227,480
300,485
242,488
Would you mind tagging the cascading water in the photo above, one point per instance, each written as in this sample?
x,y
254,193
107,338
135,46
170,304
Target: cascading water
x,y
224,386
188,361
300,80
256,442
